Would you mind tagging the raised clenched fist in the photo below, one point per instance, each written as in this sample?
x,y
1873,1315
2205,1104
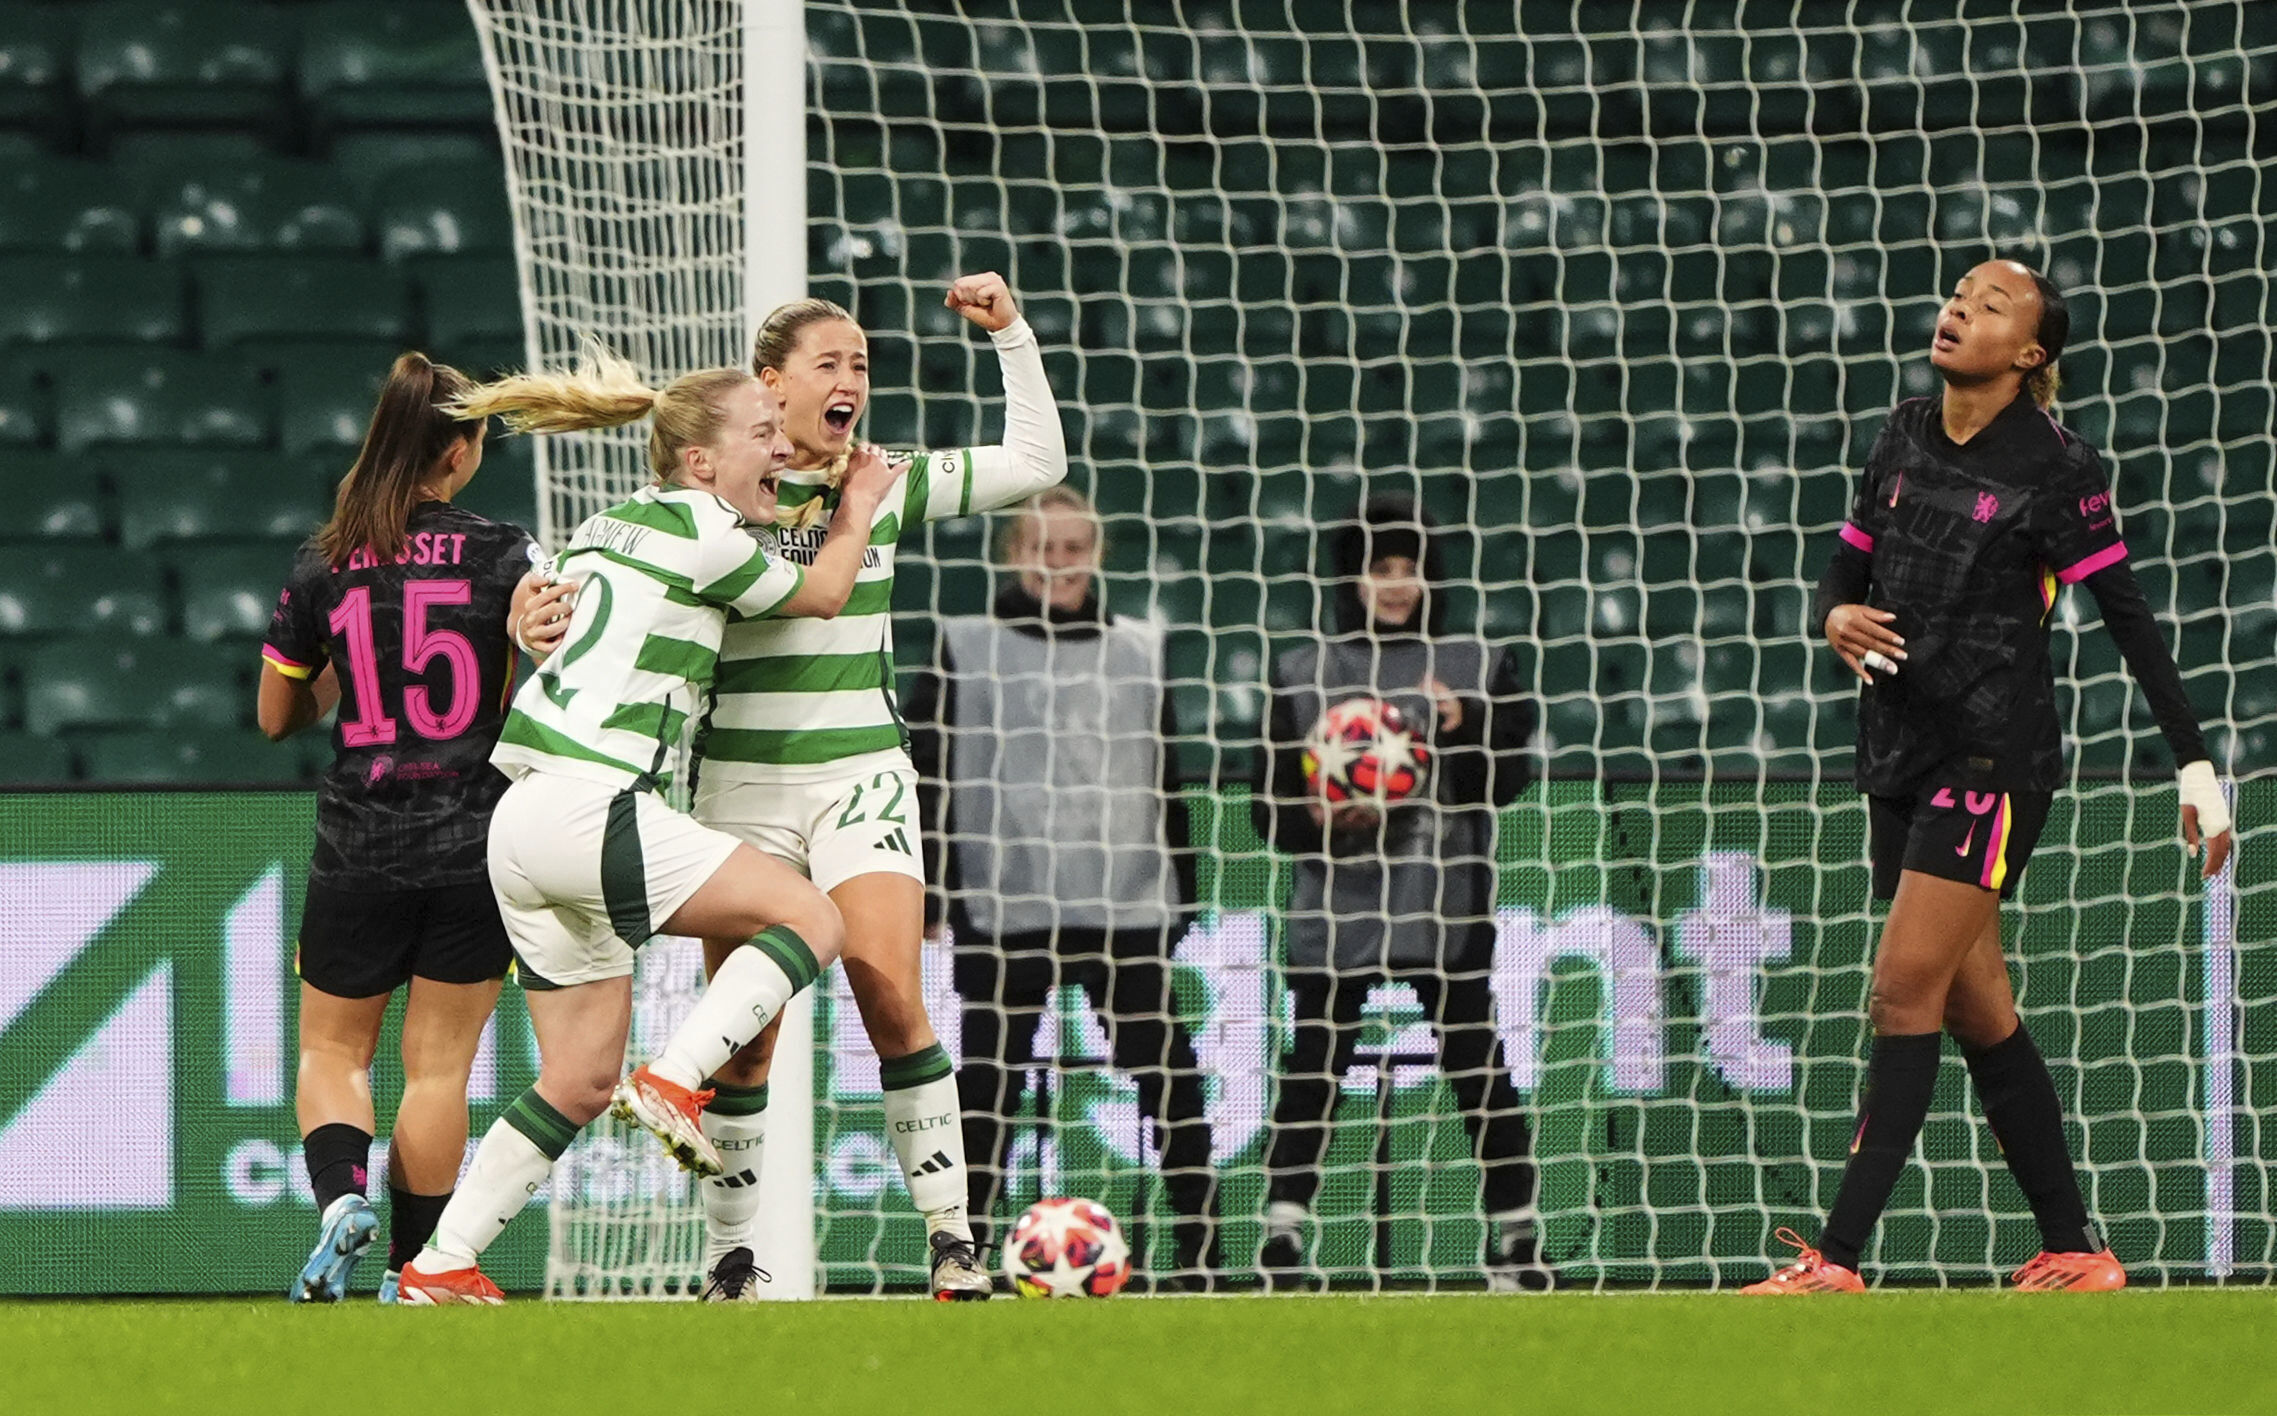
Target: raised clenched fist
x,y
984,299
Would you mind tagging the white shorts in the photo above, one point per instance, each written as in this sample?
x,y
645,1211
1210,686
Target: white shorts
x,y
832,830
586,871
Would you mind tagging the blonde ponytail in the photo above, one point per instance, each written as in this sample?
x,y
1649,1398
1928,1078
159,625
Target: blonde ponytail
x,y
814,510
604,391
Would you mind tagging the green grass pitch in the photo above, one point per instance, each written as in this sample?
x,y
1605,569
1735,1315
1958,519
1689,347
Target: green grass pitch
x,y
1900,1351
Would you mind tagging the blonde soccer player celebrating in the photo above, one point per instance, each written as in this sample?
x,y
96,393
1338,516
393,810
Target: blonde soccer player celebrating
x,y
586,859
804,756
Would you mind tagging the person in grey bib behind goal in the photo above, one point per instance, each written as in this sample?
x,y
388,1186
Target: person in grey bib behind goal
x,y
1060,852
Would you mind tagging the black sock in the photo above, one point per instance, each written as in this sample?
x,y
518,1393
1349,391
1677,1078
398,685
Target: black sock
x,y
1899,1079
2019,1099
336,1154
411,1223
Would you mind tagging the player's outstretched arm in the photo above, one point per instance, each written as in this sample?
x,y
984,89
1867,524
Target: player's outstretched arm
x,y
1033,455
830,580
2127,614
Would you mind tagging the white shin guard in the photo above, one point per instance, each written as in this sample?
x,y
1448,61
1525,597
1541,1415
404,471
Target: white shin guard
x,y
731,1198
508,1169
925,1128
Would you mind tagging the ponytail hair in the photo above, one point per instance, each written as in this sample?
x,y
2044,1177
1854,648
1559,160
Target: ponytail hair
x,y
412,429
604,391
2046,381
771,348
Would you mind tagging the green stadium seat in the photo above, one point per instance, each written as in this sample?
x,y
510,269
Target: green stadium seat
x,y
62,589
91,299
325,396
1734,668
399,64
1778,608
244,301
456,209
2249,592
214,758
105,396
177,62
879,37
56,503
488,358
24,402
1726,610
34,760
145,158
200,687
230,590
62,204
506,487
101,683
476,300
168,495
370,160
1786,718
35,68
266,204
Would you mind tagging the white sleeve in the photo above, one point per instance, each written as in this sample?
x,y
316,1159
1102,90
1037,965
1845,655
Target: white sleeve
x,y
1032,456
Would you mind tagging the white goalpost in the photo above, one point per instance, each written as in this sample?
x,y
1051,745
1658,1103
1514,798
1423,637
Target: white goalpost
x,y
656,169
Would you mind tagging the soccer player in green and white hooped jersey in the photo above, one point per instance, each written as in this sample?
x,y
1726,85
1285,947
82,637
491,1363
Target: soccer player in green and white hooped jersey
x,y
805,758
586,859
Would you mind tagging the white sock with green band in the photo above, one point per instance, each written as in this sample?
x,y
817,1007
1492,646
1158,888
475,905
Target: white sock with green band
x,y
516,1156
927,1132
738,1003
735,1123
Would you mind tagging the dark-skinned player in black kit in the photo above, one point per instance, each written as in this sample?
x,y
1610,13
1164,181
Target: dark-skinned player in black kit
x,y
1976,506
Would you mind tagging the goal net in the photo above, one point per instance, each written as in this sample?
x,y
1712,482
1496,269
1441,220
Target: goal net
x,y
1621,293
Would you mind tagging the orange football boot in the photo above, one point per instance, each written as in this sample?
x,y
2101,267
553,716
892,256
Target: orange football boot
x,y
671,1113
1809,1273
429,1290
2071,1273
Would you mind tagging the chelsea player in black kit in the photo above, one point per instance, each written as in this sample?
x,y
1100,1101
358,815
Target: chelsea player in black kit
x,y
1974,509
398,610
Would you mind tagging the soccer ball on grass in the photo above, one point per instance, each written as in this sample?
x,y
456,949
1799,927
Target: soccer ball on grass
x,y
1067,1248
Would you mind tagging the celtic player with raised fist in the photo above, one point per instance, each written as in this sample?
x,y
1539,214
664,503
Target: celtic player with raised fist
x,y
804,755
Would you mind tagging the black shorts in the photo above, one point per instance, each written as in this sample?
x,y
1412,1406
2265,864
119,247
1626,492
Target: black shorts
x,y
359,944
1979,838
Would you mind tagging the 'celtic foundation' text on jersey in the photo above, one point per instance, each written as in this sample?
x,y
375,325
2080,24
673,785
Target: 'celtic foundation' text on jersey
x,y
657,578
807,699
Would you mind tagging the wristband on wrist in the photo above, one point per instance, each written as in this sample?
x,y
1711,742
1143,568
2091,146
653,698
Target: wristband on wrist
x,y
2201,789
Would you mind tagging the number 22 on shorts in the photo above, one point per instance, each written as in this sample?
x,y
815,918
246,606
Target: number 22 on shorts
x,y
896,839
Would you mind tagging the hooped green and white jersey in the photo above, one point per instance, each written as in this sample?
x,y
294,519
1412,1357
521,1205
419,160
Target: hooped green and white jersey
x,y
658,578
810,699
795,698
